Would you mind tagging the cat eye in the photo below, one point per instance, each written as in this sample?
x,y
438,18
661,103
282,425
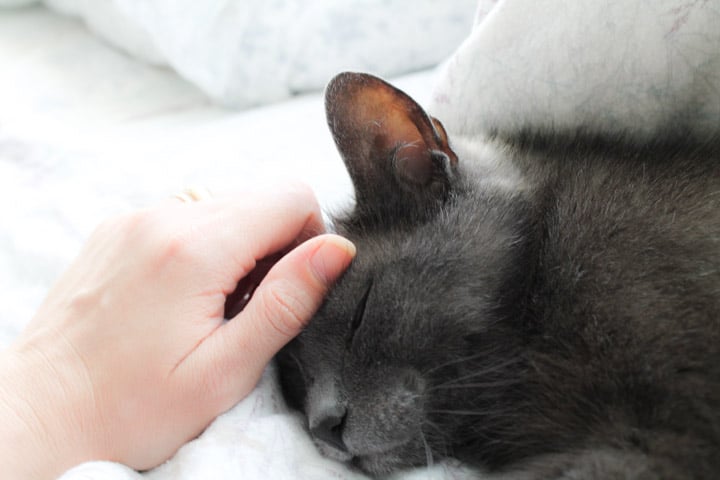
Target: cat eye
x,y
359,313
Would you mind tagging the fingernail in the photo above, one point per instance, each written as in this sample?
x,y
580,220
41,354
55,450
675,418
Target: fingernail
x,y
332,258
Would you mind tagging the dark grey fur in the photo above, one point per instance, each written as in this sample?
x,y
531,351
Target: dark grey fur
x,y
565,328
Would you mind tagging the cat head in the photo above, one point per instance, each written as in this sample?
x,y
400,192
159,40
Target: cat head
x,y
407,356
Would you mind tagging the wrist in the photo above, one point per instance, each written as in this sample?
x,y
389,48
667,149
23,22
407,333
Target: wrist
x,y
42,433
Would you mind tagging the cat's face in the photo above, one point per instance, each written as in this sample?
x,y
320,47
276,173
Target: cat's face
x,y
392,371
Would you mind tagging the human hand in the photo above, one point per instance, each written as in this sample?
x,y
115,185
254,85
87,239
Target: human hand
x,y
129,357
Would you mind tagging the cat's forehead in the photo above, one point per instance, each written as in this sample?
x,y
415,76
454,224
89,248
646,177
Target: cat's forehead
x,y
436,273
410,275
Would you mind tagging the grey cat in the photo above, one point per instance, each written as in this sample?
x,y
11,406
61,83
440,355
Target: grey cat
x,y
539,307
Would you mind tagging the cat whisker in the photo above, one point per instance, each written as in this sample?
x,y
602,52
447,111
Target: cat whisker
x,y
486,354
428,452
490,384
483,372
298,363
454,362
439,433
496,415
440,438
460,412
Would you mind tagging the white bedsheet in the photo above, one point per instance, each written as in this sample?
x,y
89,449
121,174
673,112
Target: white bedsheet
x,y
249,52
636,67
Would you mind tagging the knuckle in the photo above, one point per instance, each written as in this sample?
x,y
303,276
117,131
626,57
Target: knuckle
x,y
152,236
161,239
172,244
175,248
286,310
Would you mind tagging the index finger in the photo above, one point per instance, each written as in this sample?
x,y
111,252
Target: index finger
x,y
229,235
251,226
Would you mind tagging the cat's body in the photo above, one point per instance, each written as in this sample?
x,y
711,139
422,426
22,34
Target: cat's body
x,y
546,307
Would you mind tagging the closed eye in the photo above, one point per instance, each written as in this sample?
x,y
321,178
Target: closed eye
x,y
359,313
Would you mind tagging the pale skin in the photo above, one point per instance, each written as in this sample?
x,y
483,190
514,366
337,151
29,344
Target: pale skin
x,y
129,356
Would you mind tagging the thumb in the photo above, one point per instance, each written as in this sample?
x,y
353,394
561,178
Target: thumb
x,y
293,290
281,306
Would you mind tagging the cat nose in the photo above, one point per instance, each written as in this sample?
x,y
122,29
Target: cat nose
x,y
329,427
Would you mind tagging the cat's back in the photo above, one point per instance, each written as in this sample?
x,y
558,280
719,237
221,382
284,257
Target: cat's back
x,y
625,298
631,235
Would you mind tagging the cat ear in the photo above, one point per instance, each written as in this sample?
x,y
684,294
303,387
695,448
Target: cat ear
x,y
397,155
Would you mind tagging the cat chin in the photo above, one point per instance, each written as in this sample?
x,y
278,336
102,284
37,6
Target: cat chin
x,y
374,463
332,453
381,463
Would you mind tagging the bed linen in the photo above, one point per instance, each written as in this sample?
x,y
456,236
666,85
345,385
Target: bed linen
x,y
243,53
